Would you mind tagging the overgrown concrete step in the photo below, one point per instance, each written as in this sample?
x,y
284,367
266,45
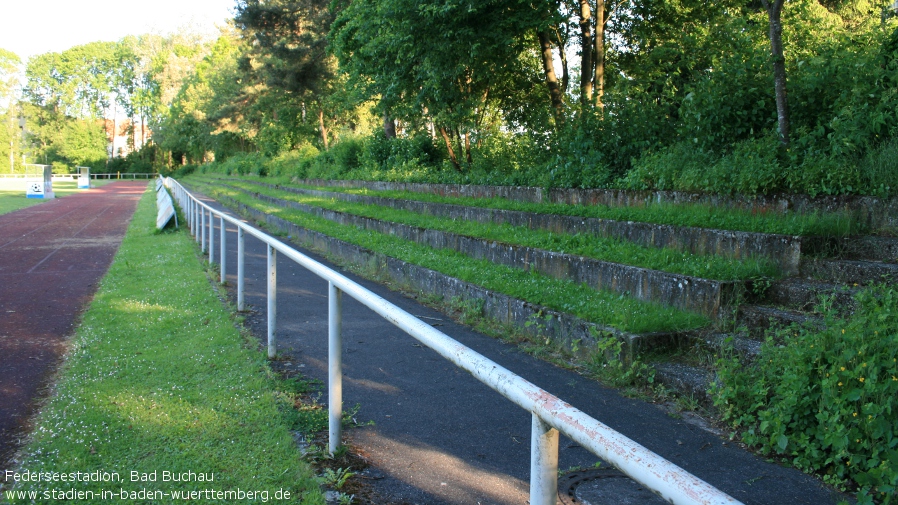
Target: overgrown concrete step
x,y
806,295
693,380
784,250
716,342
519,314
875,212
850,272
704,296
865,248
759,319
687,380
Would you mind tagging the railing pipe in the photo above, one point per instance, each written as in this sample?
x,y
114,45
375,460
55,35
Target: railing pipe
x,y
224,241
272,301
335,365
671,482
241,246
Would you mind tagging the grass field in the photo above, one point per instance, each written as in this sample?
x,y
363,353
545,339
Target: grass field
x,y
12,193
158,379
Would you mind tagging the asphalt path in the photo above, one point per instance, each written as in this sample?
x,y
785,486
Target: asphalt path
x,y
51,257
439,436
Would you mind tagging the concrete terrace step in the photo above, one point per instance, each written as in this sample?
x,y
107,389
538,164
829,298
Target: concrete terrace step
x,y
759,319
875,212
852,272
705,296
869,247
430,416
784,250
686,380
498,307
806,295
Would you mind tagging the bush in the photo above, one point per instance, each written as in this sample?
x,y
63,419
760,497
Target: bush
x,y
383,154
828,399
292,163
59,167
184,170
244,164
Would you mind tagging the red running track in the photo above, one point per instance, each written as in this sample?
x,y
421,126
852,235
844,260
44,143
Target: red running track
x,y
52,257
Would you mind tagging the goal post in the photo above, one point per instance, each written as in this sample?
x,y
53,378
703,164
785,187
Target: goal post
x,y
83,177
39,181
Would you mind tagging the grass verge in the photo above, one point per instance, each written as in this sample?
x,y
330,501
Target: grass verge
x,y
591,246
158,379
700,216
12,193
601,307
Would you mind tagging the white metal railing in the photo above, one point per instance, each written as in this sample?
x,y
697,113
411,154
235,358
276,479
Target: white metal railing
x,y
550,415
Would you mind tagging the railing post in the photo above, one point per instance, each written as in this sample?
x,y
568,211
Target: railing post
x,y
196,219
335,365
223,246
272,301
211,238
241,305
543,463
202,228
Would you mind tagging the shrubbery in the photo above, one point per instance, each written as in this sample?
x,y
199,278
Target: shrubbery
x,y
827,401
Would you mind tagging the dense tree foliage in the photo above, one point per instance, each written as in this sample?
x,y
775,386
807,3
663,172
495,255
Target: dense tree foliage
x,y
10,138
732,96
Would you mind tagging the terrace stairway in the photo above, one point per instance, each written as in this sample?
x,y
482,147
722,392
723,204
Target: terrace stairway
x,y
817,270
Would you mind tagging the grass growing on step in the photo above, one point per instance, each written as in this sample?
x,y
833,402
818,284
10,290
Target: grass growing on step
x,y
697,215
602,307
605,249
159,379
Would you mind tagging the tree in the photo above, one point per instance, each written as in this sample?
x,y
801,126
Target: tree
x,y
444,61
774,10
9,127
9,77
289,50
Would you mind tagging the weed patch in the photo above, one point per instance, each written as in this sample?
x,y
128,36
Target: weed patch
x,y
827,401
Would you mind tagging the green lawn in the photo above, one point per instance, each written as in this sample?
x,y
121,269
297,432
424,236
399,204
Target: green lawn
x,y
159,379
12,193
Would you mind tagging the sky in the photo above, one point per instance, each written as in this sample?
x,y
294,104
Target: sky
x,y
32,27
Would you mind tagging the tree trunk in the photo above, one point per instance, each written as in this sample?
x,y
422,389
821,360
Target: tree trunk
x,y
323,129
586,53
774,11
389,127
468,148
599,79
549,71
449,148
